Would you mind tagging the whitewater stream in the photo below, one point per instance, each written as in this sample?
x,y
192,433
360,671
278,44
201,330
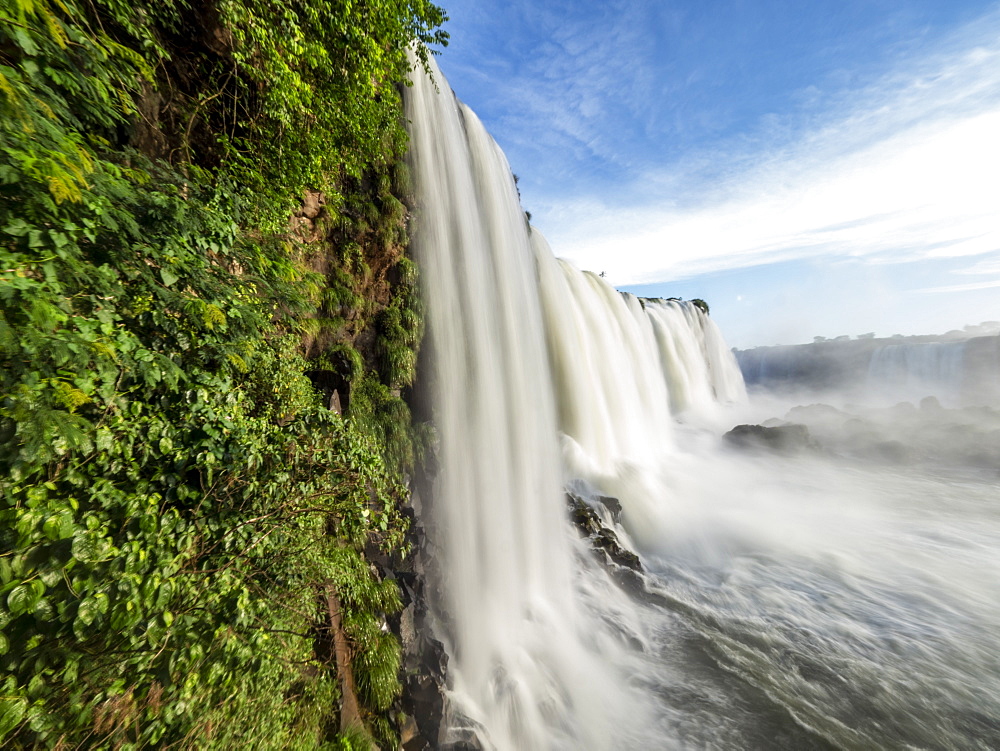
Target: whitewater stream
x,y
802,601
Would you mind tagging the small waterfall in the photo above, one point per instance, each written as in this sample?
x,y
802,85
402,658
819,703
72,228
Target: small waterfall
x,y
528,349
916,370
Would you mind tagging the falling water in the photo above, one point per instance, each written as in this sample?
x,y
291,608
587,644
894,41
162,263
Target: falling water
x,y
787,603
524,343
915,370
518,664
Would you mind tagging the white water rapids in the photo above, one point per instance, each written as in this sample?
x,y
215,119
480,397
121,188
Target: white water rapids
x,y
789,602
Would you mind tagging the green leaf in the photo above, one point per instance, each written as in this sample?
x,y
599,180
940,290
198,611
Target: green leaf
x,y
88,611
20,600
59,526
168,276
12,711
24,41
17,228
86,547
36,686
44,610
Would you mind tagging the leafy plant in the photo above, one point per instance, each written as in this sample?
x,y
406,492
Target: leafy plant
x,y
173,497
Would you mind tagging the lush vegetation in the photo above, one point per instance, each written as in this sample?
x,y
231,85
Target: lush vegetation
x,y
183,521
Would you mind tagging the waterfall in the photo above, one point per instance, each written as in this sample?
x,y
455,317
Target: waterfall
x,y
542,374
915,370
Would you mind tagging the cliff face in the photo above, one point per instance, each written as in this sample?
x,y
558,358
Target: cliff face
x,y
208,325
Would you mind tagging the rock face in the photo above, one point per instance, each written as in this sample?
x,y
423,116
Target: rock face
x,y
335,388
603,540
420,711
784,439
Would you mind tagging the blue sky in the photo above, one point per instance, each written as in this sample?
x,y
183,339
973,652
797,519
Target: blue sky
x,y
808,168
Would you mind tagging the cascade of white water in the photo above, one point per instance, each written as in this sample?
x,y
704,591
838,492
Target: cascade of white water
x,y
499,514
526,347
919,369
623,370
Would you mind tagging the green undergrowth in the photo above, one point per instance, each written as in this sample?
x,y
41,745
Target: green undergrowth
x,y
175,495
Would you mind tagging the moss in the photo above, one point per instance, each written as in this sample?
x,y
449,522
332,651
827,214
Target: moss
x,y
387,418
353,739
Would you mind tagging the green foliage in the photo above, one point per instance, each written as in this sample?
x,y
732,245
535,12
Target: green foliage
x,y
169,480
303,56
399,329
173,497
384,415
352,739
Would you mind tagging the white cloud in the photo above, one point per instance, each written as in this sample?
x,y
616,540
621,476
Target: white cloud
x,y
906,169
985,266
971,286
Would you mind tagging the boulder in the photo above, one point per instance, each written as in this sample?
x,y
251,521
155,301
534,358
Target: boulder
x,y
603,540
783,439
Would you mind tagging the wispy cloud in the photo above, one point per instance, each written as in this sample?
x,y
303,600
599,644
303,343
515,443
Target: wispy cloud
x,y
985,266
582,87
972,286
904,169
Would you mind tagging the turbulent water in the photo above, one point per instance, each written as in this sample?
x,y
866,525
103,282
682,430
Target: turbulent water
x,y
803,601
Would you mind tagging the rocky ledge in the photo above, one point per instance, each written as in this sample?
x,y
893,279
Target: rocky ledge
x,y
603,540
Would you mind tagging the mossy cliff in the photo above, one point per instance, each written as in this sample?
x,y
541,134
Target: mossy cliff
x,y
202,265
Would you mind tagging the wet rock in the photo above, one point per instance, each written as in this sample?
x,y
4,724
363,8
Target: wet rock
x,y
424,703
463,733
409,735
583,517
420,711
783,439
462,739
603,540
607,541
613,505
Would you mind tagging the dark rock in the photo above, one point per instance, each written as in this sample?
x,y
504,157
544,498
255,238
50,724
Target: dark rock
x,y
423,712
463,733
583,516
335,388
613,505
603,540
607,541
462,739
424,701
409,735
784,439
